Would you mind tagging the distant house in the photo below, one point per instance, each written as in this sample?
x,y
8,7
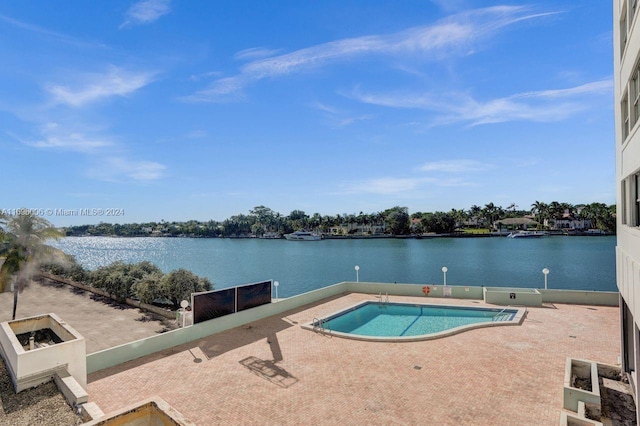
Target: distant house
x,y
567,222
514,223
357,228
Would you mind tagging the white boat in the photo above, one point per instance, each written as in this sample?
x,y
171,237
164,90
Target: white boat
x,y
526,234
302,236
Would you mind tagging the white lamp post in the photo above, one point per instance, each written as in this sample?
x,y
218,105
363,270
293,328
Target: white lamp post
x,y
276,284
545,271
183,306
444,272
357,268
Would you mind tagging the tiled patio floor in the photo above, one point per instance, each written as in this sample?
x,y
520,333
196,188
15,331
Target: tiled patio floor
x,y
272,372
103,324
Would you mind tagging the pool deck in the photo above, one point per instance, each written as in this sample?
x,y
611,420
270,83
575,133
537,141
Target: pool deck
x,y
273,372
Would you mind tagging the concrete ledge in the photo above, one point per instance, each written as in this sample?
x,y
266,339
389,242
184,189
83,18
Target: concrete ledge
x,y
90,411
581,369
568,419
512,296
36,379
72,391
152,411
581,297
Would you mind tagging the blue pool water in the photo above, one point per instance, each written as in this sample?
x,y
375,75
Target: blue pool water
x,y
400,320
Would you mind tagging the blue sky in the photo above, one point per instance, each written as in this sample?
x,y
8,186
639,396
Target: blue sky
x,y
202,110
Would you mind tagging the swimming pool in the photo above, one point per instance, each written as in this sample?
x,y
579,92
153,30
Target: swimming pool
x,y
410,321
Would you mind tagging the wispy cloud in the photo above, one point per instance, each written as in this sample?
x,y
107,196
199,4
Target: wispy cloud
x,y
55,137
205,75
455,35
539,106
117,169
146,12
386,186
350,120
49,34
115,82
397,186
455,166
255,53
95,146
450,5
197,134
339,117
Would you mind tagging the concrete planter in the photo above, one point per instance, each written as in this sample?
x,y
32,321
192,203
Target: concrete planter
x,y
512,296
53,349
567,419
152,411
581,371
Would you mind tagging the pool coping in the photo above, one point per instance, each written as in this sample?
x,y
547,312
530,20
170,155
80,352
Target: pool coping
x,y
517,319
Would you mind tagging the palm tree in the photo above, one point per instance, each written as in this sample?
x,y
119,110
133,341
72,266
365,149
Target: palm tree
x,y
489,213
24,249
540,210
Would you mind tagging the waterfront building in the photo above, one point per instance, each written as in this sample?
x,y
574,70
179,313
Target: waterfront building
x,y
626,59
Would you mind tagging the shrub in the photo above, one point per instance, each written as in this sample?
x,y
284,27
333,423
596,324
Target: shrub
x,y
66,266
178,285
148,288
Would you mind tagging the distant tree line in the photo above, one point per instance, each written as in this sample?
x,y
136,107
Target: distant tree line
x,y
143,281
262,221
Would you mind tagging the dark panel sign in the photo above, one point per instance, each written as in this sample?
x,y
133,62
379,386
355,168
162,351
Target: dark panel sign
x,y
252,295
213,304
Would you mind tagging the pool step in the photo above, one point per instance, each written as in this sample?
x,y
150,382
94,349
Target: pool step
x,y
502,317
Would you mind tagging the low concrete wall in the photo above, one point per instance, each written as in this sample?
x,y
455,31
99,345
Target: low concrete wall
x,y
139,348
435,290
513,296
581,297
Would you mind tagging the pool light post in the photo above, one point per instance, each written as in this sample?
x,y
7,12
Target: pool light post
x,y
357,268
444,272
276,284
545,271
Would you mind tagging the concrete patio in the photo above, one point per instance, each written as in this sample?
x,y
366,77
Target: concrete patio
x,y
273,372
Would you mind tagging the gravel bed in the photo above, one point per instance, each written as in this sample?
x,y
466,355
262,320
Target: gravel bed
x,y
43,405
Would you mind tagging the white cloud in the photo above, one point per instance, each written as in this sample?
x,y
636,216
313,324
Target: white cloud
x,y
602,87
115,82
56,137
341,118
539,106
255,53
146,12
196,134
115,169
455,35
350,120
205,75
386,186
455,166
396,186
326,108
48,34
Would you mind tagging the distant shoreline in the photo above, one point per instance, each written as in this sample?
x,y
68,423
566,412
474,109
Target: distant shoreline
x,y
352,237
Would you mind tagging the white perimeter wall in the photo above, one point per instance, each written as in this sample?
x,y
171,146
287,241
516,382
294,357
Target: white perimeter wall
x,y
129,351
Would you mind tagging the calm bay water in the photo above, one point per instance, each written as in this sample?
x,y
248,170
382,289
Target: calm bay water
x,y
578,263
